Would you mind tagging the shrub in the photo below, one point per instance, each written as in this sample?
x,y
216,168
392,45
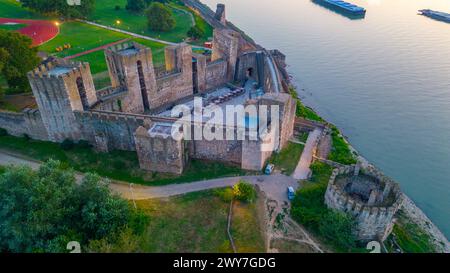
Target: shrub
x,y
244,191
26,137
226,194
3,132
195,33
117,7
67,144
83,144
336,227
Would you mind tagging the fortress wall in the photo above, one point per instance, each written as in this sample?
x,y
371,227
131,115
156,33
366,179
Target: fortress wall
x,y
216,74
109,131
217,150
176,85
159,153
28,122
245,63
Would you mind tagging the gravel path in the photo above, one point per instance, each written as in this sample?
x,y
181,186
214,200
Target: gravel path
x,y
302,171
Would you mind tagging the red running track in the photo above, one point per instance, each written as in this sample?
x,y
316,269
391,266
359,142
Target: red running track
x,y
40,31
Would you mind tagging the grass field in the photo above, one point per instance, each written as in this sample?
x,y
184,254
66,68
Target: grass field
x,y
13,9
116,165
287,159
106,14
98,62
197,222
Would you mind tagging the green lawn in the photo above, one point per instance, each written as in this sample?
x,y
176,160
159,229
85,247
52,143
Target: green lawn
x,y
340,151
116,165
199,22
409,236
13,9
246,228
12,27
106,14
287,159
82,37
98,63
197,222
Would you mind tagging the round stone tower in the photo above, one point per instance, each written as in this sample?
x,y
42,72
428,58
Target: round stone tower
x,y
369,196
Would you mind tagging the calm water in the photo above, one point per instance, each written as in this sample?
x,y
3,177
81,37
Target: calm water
x,y
384,80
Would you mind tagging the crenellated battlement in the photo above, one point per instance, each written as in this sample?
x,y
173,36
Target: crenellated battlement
x,y
57,68
368,195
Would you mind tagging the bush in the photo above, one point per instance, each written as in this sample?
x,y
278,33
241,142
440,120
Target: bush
x,y
195,33
244,191
117,7
336,228
83,144
3,132
226,194
308,208
67,144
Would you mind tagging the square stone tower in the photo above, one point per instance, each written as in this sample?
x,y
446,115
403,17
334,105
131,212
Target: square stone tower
x,y
130,65
61,87
226,47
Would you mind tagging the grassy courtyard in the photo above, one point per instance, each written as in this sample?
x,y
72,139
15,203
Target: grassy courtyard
x,y
116,165
287,159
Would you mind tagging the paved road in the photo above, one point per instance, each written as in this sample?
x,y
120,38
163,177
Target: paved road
x,y
274,185
302,171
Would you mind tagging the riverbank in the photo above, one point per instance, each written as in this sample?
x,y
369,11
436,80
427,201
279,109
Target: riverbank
x,y
414,213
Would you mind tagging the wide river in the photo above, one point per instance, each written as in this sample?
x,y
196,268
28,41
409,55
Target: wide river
x,y
384,80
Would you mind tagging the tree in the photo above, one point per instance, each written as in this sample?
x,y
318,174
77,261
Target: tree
x,y
136,5
61,7
4,55
195,33
17,58
41,211
160,17
244,191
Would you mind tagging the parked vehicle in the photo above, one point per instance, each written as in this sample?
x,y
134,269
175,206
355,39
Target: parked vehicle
x,y
290,193
269,169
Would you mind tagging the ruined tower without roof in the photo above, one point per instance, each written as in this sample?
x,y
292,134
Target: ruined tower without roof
x,y
60,88
369,196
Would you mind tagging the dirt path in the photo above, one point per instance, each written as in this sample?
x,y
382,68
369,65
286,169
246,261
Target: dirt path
x,y
274,186
103,47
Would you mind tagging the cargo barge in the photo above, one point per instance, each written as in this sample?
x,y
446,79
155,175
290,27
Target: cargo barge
x,y
346,7
438,15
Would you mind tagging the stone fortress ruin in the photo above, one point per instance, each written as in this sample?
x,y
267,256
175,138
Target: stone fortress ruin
x,y
135,112
369,196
